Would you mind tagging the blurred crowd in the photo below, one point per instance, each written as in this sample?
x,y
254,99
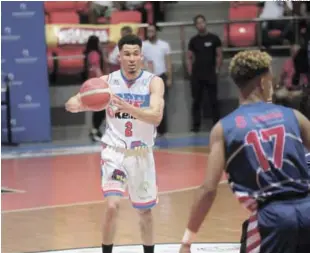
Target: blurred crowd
x,y
282,31
100,11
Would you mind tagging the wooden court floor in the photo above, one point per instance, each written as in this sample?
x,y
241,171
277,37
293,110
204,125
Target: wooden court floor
x,y
58,203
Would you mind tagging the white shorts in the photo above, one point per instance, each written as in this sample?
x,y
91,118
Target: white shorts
x,y
135,171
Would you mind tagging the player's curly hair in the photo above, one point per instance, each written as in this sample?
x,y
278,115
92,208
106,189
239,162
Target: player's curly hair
x,y
247,65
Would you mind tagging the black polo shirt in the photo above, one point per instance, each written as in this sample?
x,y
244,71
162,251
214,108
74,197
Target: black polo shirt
x,y
204,50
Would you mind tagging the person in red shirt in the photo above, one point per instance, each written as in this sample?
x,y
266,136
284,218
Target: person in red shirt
x,y
93,67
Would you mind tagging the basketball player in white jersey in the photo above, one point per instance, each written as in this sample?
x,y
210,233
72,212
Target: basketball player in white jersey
x,y
127,157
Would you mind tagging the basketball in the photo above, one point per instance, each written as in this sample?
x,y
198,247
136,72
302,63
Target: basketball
x,y
95,94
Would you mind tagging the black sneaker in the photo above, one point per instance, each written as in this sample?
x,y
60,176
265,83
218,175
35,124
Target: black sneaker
x,y
95,135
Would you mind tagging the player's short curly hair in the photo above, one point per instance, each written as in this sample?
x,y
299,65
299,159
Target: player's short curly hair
x,y
247,65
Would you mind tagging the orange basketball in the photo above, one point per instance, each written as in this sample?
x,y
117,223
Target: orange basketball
x,y
95,94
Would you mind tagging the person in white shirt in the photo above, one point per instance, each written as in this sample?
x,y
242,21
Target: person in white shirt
x,y
275,9
159,53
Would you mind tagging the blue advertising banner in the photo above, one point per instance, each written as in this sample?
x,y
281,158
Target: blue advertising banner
x,y
24,58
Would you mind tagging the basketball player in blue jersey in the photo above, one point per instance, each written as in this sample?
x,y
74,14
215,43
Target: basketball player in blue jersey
x,y
290,99
127,155
261,147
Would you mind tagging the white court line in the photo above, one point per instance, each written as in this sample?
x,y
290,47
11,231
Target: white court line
x,y
98,201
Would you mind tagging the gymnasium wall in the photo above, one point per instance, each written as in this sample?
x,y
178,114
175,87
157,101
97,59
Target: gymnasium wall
x,y
24,59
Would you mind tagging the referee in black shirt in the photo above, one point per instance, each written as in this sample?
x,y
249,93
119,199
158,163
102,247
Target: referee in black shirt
x,y
204,60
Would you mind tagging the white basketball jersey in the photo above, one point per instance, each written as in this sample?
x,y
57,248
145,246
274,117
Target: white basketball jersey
x,y
122,130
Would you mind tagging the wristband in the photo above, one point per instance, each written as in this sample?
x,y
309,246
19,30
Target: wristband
x,y
188,237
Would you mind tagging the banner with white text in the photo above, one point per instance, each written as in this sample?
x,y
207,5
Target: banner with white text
x,y
24,58
59,35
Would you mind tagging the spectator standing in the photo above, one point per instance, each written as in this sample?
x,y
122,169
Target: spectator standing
x,y
158,52
204,60
93,67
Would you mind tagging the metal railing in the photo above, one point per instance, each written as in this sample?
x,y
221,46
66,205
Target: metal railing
x,y
182,35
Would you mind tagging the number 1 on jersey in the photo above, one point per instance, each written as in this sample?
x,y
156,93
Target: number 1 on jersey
x,y
278,133
128,129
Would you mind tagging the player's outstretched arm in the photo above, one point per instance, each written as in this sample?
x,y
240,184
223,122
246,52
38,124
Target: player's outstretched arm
x,y
154,113
74,103
214,171
304,125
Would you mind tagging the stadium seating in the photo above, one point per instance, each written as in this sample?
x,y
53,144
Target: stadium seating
x,y
51,6
241,34
67,12
82,6
118,17
64,17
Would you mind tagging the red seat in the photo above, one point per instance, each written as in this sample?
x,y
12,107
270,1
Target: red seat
x,y
70,60
125,17
237,3
51,6
64,18
82,6
241,34
102,20
243,12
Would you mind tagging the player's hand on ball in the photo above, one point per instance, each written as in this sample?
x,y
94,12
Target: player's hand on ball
x,y
120,104
185,248
74,104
